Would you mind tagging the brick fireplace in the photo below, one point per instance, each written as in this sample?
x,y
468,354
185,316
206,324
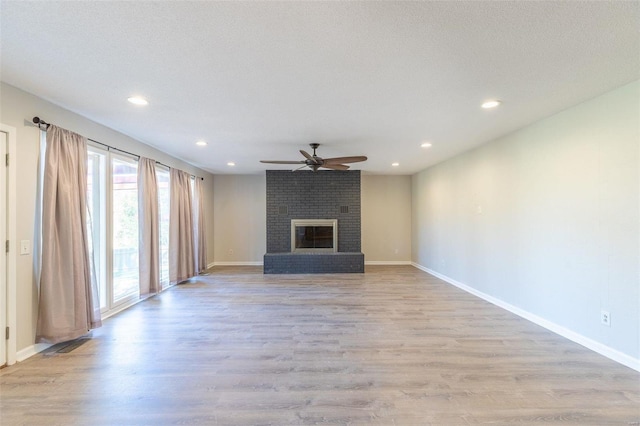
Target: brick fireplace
x,y
313,196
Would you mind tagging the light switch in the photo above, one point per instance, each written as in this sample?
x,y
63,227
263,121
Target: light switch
x,y
25,247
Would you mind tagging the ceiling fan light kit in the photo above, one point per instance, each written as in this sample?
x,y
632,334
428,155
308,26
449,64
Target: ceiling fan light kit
x,y
314,162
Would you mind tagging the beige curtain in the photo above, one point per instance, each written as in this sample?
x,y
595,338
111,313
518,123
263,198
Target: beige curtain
x,y
148,221
199,232
181,248
69,305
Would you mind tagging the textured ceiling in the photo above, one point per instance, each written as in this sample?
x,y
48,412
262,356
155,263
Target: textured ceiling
x,y
261,80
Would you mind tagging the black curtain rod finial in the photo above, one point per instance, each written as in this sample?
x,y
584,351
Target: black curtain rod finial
x,y
40,122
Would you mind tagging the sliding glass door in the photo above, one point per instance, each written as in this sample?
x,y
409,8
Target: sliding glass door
x,y
124,231
112,203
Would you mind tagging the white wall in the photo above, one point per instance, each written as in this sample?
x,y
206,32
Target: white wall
x,y
386,218
546,219
17,108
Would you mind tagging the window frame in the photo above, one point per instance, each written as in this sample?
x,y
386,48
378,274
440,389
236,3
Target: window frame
x,y
104,278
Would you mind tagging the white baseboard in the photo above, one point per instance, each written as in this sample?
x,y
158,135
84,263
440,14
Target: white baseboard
x,y
387,262
30,351
588,343
244,263
210,265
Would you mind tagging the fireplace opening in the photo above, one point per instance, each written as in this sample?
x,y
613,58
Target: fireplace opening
x,y
314,235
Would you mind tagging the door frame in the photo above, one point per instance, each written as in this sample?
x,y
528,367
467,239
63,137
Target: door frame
x,y
12,237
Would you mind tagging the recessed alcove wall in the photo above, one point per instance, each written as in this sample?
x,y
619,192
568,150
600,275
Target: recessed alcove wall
x,y
240,218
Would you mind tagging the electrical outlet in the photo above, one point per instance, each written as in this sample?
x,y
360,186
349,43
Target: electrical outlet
x,y
605,318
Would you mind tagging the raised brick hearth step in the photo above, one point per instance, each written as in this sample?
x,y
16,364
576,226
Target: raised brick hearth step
x,y
313,263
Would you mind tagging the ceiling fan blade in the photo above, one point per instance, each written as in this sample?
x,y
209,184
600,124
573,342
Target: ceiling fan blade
x,y
282,162
308,156
314,162
335,166
339,160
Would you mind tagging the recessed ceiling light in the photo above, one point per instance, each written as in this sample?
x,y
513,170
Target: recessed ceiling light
x,y
137,100
491,104
201,143
395,164
231,164
426,145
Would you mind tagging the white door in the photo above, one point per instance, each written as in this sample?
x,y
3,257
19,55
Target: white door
x,y
3,255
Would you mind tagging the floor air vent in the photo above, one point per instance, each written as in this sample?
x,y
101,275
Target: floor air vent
x,y
65,347
70,346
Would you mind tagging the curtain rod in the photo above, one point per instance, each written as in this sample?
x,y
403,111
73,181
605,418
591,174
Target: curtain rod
x,y
40,123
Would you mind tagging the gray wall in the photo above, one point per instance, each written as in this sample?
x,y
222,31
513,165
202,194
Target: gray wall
x,y
17,109
546,220
313,195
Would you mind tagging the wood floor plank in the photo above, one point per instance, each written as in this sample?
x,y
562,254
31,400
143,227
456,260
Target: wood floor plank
x,y
393,346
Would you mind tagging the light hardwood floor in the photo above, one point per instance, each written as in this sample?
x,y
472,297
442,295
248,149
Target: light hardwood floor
x,y
393,346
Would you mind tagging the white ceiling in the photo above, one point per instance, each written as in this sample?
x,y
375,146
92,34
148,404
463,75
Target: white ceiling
x,y
261,80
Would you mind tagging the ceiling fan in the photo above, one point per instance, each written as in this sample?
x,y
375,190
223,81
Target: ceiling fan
x,y
314,162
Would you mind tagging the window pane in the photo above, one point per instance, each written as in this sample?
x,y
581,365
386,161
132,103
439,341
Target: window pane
x,y
96,206
125,228
163,211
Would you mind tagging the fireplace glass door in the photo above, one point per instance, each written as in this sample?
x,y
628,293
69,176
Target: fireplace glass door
x,y
314,237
